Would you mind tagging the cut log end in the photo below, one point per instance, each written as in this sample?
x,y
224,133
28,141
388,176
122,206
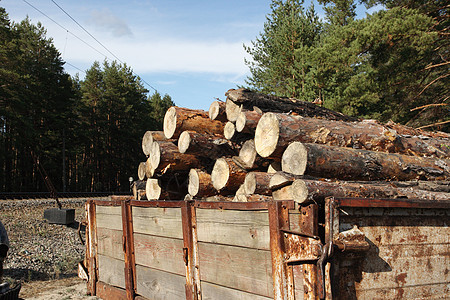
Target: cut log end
x,y
194,182
149,170
217,110
299,191
220,174
266,135
141,171
147,142
247,154
155,156
294,159
184,141
170,122
152,189
232,110
229,130
241,121
250,183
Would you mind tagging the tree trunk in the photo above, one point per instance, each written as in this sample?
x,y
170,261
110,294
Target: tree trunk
x,y
247,121
206,145
178,119
148,139
275,131
200,184
232,110
258,183
217,111
248,158
351,164
266,103
165,157
227,176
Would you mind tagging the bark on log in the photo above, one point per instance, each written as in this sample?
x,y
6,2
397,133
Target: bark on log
x,y
247,121
178,119
232,110
296,191
281,179
351,164
200,184
275,131
217,111
248,99
405,130
141,171
433,186
165,157
227,176
258,183
148,138
318,190
206,145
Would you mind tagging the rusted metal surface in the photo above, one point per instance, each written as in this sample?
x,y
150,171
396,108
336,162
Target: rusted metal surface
x,y
156,203
106,291
302,249
128,245
113,202
281,273
188,250
260,205
407,257
91,247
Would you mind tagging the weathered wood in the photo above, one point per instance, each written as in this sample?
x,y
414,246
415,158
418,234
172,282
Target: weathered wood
x,y
162,253
239,268
232,110
200,184
249,159
251,198
149,138
213,291
165,157
141,170
158,221
109,217
178,119
155,284
281,179
297,191
433,186
405,130
233,227
109,243
275,131
206,145
258,183
226,175
111,271
247,121
229,130
153,190
217,111
351,164
248,99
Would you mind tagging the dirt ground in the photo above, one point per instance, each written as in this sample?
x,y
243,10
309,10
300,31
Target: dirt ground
x,y
63,289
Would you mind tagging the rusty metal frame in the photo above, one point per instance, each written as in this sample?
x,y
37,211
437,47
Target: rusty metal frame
x,y
91,247
394,203
128,248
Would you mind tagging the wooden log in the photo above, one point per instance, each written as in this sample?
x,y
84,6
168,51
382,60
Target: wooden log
x,y
252,198
434,186
249,159
232,110
141,170
352,164
227,176
258,183
217,111
318,190
274,132
165,157
206,145
247,121
281,179
153,190
274,166
149,170
296,191
178,119
200,184
139,189
266,103
405,130
229,130
149,138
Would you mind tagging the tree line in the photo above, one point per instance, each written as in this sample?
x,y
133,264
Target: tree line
x,y
390,65
85,133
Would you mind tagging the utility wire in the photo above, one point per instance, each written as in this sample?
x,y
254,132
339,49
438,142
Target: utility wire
x,y
85,30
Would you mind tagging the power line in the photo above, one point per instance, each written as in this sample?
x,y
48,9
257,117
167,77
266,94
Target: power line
x,y
85,30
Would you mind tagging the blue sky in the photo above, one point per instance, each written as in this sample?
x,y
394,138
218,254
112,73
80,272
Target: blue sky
x,y
190,50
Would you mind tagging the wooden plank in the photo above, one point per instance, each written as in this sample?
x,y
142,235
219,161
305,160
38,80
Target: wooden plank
x,y
160,253
158,221
232,227
214,292
236,267
111,271
158,285
109,243
109,217
429,292
106,291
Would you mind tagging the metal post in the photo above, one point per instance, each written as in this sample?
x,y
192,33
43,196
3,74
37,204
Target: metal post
x,y
309,225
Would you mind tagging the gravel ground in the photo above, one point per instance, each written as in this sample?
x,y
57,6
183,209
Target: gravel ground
x,y
43,256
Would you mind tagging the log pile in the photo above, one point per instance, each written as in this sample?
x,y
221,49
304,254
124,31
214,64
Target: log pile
x,y
256,147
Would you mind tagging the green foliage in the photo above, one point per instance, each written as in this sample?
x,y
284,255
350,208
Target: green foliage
x,y
100,120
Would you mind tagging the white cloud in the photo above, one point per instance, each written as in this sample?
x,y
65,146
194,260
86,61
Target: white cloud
x,y
105,19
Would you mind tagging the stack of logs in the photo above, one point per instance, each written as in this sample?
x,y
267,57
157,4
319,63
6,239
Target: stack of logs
x,y
256,147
